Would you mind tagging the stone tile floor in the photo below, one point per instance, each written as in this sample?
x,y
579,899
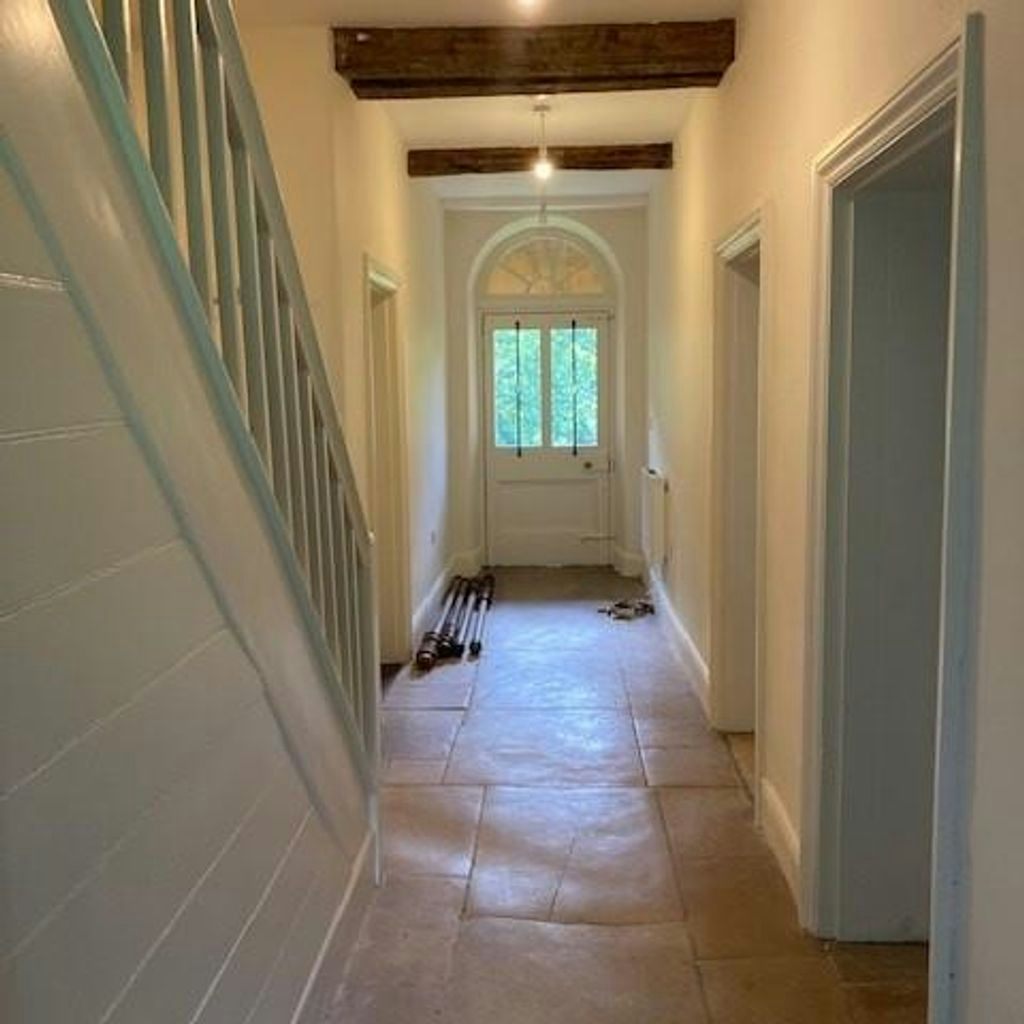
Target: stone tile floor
x,y
567,842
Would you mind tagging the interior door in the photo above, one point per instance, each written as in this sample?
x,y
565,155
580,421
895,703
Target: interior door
x,y
548,463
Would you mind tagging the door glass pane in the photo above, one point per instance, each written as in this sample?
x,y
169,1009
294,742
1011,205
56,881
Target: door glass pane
x,y
518,404
574,387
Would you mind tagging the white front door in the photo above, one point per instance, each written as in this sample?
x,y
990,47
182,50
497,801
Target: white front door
x,y
548,443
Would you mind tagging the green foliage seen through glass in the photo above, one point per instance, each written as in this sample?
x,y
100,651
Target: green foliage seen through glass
x,y
568,380
518,403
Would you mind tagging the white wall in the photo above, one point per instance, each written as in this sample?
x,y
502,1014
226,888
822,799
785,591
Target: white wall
x,y
341,167
161,857
467,234
806,73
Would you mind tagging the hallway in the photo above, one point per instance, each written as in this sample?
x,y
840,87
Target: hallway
x,y
566,841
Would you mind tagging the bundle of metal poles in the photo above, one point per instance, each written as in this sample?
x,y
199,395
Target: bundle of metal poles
x,y
461,625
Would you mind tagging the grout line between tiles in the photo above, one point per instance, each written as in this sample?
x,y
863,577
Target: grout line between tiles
x,y
561,878
485,796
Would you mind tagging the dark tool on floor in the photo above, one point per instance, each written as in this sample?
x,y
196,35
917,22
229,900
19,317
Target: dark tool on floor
x,y
629,609
484,601
434,644
462,609
461,623
469,619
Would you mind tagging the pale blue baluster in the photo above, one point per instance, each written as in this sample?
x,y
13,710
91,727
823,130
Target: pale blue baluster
x,y
369,651
323,472
339,524
249,281
293,427
314,556
118,34
187,60
221,208
356,604
275,372
154,62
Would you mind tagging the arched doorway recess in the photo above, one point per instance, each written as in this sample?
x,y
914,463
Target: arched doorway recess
x,y
546,299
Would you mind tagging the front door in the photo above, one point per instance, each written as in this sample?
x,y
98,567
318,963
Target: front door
x,y
548,443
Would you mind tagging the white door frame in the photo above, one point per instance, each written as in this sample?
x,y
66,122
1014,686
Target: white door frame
x,y
379,279
612,304
549,306
954,77
744,240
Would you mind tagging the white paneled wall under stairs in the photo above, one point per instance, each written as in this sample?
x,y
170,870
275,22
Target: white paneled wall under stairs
x,y
188,649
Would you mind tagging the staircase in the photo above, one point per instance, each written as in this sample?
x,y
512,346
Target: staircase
x,y
202,851
232,232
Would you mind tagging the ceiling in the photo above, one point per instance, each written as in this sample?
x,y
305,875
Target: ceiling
x,y
568,189
394,13
578,119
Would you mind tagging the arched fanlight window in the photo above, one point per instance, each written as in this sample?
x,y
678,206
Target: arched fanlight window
x,y
544,265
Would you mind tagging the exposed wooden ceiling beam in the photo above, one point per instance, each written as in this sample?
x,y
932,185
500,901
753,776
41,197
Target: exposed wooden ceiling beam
x,y
420,63
433,163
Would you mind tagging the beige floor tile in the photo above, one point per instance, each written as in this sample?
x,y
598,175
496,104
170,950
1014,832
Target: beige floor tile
x,y
558,629
643,650
740,907
650,698
414,773
414,735
886,1003
587,894
519,972
666,731
429,830
744,751
532,584
395,1004
708,765
861,963
447,687
707,823
792,990
409,933
552,748
594,855
535,680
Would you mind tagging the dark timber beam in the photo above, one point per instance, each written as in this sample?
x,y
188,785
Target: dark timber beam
x,y
419,63
433,163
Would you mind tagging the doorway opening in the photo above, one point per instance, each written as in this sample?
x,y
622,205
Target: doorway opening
x,y
885,519
547,365
388,467
736,518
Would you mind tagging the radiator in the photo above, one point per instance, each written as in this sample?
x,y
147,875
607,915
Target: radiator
x,y
655,518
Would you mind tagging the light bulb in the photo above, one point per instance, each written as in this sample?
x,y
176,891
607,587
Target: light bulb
x,y
544,168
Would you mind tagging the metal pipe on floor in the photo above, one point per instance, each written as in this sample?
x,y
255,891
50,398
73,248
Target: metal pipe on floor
x,y
469,623
485,601
432,647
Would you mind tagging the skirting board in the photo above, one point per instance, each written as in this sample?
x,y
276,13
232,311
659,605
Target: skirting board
x,y
680,640
778,827
465,564
328,969
427,610
782,836
629,563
